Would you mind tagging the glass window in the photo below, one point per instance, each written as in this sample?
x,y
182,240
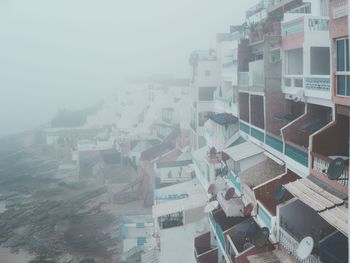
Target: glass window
x,y
324,7
341,85
341,55
347,54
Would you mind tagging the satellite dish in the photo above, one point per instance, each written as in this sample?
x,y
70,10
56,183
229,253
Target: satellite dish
x,y
335,169
230,193
305,248
261,237
211,206
211,188
279,193
247,211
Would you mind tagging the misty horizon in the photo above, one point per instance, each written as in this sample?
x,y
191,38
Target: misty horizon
x,y
68,55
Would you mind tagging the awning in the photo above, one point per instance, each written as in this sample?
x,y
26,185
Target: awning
x,y
243,151
330,207
175,206
337,217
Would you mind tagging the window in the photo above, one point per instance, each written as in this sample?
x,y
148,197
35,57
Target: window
x,y
343,69
275,55
206,93
324,7
319,61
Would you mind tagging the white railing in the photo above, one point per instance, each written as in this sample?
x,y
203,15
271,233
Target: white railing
x,y
320,83
321,165
291,245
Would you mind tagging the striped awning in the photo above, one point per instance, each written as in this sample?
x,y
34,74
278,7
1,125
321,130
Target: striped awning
x,y
329,207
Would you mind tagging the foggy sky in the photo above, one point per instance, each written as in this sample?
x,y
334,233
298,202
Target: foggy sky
x,y
69,53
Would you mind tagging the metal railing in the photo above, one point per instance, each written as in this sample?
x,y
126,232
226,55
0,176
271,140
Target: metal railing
x,y
291,245
321,164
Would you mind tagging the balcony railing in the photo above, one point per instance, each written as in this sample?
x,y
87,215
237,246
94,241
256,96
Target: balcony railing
x,y
243,78
318,83
293,27
218,230
297,155
275,143
318,24
305,23
264,216
244,127
209,256
236,184
291,245
321,164
257,134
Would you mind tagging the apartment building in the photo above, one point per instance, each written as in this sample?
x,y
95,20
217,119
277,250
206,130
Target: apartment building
x,y
273,192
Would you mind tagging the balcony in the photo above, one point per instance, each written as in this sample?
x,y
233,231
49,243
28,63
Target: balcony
x,y
290,244
265,196
331,142
298,29
292,229
296,134
221,224
241,241
303,23
310,86
204,251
